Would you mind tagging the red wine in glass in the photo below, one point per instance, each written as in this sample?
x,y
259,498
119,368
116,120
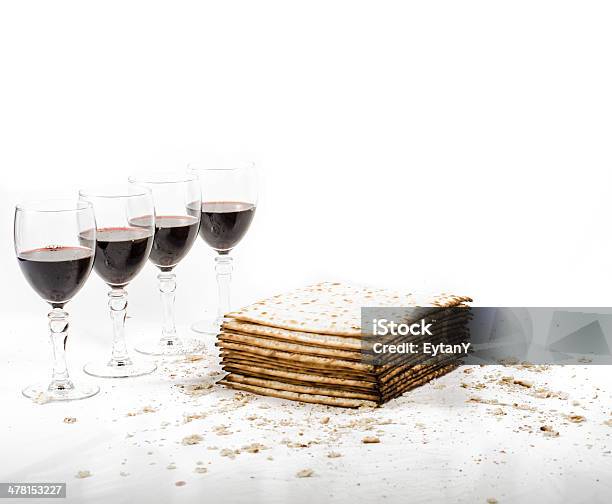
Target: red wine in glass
x,y
224,223
121,252
229,199
54,246
177,200
56,273
174,236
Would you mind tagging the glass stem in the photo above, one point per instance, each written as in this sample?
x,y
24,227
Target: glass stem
x,y
117,303
167,290
58,327
223,267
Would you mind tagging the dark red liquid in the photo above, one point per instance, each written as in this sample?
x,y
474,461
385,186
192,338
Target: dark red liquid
x,y
174,236
224,223
56,273
121,253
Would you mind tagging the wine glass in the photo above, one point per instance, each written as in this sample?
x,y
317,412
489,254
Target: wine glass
x,y
177,202
229,200
56,261
125,218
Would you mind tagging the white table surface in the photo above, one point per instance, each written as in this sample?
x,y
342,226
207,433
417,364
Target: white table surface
x,y
435,446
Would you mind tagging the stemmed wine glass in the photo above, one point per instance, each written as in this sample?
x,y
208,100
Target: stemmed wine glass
x,y
56,261
125,218
177,202
229,200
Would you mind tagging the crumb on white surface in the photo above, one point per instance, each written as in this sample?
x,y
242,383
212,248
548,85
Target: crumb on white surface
x,y
193,439
304,473
41,398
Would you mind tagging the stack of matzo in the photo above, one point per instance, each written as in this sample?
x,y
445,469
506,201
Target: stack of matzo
x,y
307,345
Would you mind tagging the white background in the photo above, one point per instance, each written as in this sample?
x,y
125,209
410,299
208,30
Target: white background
x,y
443,145
459,146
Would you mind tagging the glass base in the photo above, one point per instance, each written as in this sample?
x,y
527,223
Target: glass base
x,y
175,346
108,370
208,326
41,393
